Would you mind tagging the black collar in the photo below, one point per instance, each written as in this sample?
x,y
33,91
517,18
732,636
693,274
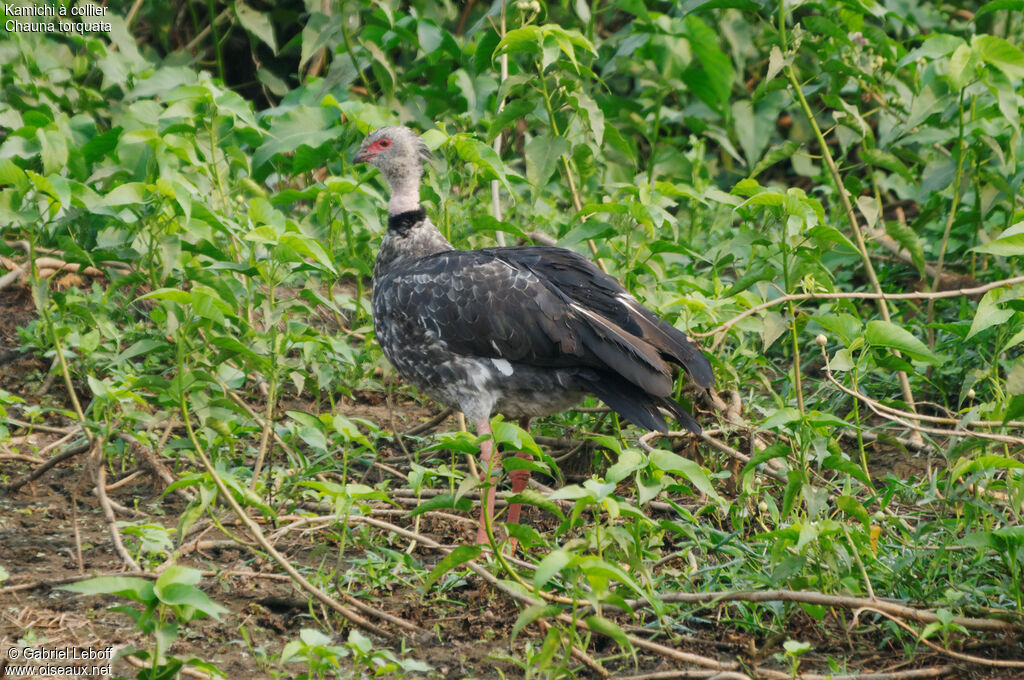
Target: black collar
x,y
404,221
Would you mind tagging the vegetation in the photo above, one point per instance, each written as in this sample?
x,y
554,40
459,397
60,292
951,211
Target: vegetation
x,y
826,195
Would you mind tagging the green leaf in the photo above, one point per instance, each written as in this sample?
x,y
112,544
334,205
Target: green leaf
x,y
182,594
310,247
593,114
101,145
182,297
461,555
713,81
996,5
293,128
1004,246
629,462
908,238
962,66
1005,56
11,173
537,499
542,155
783,416
884,159
532,613
129,193
672,462
779,152
989,312
549,567
887,334
443,501
256,23
776,450
845,465
134,588
526,39
759,271
515,109
601,625
472,150
428,35
745,5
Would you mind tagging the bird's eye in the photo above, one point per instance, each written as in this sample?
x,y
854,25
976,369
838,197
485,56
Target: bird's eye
x,y
384,143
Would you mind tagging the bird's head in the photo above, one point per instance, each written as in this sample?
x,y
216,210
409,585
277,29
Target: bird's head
x,y
399,154
393,150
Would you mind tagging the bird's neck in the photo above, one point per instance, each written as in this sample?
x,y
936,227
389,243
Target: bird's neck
x,y
410,236
405,193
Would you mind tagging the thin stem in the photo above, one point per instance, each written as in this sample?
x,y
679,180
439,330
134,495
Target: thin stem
x,y
959,292
797,377
352,56
216,39
883,308
503,75
576,202
957,179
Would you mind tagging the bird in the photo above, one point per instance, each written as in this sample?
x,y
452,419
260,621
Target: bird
x,y
522,331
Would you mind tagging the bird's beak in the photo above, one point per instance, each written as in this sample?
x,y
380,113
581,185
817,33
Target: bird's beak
x,y
362,156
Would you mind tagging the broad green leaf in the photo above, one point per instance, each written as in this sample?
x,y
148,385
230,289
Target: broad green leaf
x,y
442,502
543,153
532,613
989,312
783,416
775,154
712,82
11,173
310,247
853,507
628,463
134,588
776,450
537,499
674,463
1004,246
472,150
525,39
549,567
601,625
887,334
129,193
461,555
256,23
961,66
884,159
846,326
909,239
1005,56
182,297
996,5
291,129
429,35
190,596
836,462
594,115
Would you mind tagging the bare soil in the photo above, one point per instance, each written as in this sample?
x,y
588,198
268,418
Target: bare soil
x,y
46,524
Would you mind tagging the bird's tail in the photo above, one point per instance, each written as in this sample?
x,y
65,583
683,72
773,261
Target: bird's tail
x,y
636,406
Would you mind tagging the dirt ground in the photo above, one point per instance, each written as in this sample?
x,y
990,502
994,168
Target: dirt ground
x,y
44,525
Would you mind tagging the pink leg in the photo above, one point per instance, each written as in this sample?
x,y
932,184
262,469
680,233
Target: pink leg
x,y
519,478
487,450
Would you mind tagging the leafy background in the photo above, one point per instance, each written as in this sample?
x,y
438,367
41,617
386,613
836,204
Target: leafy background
x,y
180,210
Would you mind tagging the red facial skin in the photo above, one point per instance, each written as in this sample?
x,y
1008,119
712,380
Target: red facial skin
x,y
372,150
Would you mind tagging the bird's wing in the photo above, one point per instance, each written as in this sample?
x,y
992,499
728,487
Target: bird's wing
x,y
533,308
587,286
